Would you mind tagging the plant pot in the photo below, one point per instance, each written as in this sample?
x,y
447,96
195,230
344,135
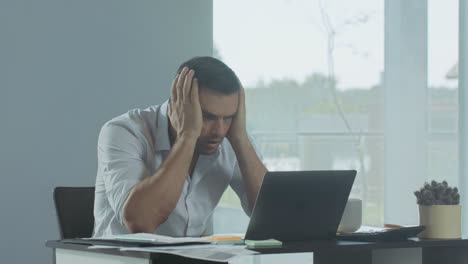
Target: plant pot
x,y
441,221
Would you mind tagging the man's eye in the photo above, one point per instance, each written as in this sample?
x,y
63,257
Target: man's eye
x,y
209,117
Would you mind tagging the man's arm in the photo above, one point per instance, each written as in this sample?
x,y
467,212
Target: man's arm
x,y
251,167
152,200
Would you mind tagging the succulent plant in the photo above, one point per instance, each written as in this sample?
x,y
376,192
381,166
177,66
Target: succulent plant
x,y
437,193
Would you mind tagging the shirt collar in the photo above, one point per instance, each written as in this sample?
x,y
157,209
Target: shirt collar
x,y
161,139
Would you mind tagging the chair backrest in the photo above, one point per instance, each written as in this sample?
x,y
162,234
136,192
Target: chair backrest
x,y
74,207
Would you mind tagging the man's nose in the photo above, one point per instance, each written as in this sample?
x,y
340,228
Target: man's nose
x,y
218,127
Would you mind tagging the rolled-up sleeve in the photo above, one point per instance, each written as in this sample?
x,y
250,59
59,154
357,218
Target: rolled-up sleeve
x,y
120,158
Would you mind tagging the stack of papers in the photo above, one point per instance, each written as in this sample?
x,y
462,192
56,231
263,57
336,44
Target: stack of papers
x,y
216,253
204,248
145,239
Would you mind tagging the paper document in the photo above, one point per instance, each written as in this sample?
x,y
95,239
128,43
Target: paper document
x,y
204,252
145,239
103,247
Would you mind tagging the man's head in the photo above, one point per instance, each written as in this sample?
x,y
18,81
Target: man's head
x,y
219,100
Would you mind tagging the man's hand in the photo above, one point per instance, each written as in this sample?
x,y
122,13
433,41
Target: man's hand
x,y
184,109
237,132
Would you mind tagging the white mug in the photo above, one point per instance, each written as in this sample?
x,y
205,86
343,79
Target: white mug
x,y
352,216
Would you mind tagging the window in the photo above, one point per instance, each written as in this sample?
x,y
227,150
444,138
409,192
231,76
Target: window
x,y
317,74
443,87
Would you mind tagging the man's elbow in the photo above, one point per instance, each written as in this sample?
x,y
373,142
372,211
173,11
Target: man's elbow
x,y
140,223
137,227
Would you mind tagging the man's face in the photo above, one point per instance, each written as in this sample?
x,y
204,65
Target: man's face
x,y
218,111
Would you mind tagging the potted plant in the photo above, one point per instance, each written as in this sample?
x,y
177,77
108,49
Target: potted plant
x,y
439,211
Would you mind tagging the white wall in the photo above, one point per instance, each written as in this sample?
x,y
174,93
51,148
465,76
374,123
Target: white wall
x,y
66,67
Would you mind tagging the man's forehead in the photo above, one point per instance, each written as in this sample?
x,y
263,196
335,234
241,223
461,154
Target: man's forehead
x,y
224,114
217,103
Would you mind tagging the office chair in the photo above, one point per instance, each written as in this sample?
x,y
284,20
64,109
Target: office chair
x,y
74,207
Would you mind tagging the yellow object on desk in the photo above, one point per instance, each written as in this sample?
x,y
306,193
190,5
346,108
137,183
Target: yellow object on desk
x,y
224,237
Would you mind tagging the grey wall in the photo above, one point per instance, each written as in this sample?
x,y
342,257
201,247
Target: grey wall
x,y
66,67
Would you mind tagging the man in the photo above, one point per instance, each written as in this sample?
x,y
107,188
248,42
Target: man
x,y
163,169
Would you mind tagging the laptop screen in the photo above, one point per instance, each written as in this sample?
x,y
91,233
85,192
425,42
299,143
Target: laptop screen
x,y
300,205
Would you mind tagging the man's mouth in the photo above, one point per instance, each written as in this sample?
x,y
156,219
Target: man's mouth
x,y
213,142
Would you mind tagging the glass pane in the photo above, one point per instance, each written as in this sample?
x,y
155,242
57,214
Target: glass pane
x,y
443,91
312,72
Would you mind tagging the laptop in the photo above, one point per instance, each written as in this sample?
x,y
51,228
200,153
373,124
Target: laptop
x,y
300,205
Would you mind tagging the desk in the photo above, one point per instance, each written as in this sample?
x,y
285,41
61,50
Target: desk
x,y
413,251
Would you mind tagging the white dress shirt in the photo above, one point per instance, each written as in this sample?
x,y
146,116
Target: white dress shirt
x,y
133,146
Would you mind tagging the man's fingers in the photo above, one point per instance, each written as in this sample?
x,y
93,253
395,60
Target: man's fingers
x,y
174,89
188,85
180,83
194,92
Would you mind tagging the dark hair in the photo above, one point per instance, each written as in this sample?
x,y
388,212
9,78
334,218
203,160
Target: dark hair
x,y
213,74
